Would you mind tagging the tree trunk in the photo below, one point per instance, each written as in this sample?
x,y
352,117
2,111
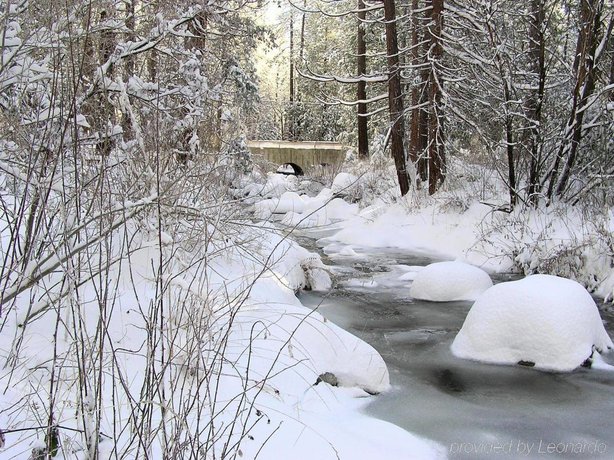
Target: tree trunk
x,y
437,159
590,20
302,44
301,50
198,29
507,86
130,36
152,58
395,99
424,112
509,141
536,97
361,89
129,66
291,125
104,119
416,152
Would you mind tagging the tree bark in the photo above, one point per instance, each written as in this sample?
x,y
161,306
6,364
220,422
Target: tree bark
x,y
129,66
437,159
416,126
590,20
507,86
424,112
198,28
509,146
395,99
291,125
361,89
152,58
536,97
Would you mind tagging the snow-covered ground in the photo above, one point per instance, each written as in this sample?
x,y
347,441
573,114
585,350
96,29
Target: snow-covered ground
x,y
205,346
240,367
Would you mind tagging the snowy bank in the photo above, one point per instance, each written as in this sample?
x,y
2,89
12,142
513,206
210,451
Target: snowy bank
x,y
284,350
544,321
449,281
245,358
443,234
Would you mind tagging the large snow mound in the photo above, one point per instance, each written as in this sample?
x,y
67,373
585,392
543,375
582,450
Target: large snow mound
x,y
542,320
449,281
343,182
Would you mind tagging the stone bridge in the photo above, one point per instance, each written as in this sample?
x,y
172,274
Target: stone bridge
x,y
302,154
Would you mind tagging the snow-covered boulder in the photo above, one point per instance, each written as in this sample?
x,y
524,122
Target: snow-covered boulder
x,y
290,202
544,321
449,281
316,274
344,183
277,184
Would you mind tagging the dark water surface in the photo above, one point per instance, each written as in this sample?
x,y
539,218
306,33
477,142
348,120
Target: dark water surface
x,y
475,410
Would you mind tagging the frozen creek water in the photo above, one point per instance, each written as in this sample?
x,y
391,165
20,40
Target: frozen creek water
x,y
475,410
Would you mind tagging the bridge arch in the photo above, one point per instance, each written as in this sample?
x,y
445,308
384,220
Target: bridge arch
x,y
290,169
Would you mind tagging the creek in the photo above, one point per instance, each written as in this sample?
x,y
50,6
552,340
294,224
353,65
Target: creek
x,y
474,410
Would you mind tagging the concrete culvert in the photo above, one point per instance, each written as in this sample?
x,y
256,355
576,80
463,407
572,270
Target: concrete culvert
x,y
290,169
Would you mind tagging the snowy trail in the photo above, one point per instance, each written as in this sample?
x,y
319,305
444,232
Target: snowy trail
x,y
475,410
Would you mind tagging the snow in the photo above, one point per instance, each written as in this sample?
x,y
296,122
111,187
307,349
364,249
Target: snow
x,y
550,321
274,351
232,306
443,235
320,212
449,281
343,182
302,211
289,202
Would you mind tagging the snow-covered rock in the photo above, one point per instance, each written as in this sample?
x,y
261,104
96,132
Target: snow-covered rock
x,y
542,320
449,281
343,182
264,209
277,184
316,274
290,201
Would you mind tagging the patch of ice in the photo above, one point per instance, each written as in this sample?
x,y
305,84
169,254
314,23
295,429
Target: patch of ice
x,y
549,322
348,252
360,283
449,281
